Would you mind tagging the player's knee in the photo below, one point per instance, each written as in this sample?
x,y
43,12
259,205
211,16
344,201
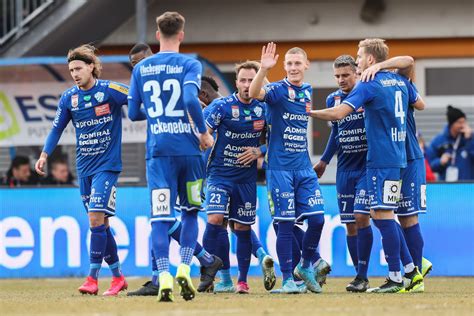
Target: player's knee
x,y
316,221
408,221
242,227
215,219
382,214
96,219
362,220
351,229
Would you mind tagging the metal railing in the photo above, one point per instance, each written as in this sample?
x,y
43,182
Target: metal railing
x,y
16,15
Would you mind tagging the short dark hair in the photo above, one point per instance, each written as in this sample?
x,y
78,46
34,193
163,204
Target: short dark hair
x,y
344,61
170,23
139,47
211,82
20,161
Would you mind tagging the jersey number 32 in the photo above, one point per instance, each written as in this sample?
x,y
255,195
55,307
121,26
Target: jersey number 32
x,y
169,109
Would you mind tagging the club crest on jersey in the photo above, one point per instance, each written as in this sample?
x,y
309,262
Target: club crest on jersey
x,y
103,109
74,100
291,93
337,100
258,111
308,95
235,112
99,96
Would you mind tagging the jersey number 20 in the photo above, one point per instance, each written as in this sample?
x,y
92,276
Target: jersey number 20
x,y
157,108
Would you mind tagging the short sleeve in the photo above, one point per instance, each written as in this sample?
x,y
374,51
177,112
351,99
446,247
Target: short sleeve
x,y
216,115
359,96
272,92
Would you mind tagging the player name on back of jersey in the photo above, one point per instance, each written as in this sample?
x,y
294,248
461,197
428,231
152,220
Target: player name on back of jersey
x,y
148,70
397,135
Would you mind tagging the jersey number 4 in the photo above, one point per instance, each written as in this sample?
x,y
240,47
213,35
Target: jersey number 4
x,y
157,109
399,107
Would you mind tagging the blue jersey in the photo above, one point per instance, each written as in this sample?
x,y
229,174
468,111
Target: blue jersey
x,y
413,147
206,112
238,125
385,100
287,107
159,82
349,134
97,116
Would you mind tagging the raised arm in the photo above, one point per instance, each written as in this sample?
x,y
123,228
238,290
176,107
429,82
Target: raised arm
x,y
268,61
404,64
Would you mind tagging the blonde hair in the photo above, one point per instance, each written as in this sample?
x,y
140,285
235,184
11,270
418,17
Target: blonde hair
x,y
297,50
375,47
86,53
248,64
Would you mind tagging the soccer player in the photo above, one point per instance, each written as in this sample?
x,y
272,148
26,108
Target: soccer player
x,y
239,121
294,192
385,100
413,190
94,106
168,84
349,140
209,264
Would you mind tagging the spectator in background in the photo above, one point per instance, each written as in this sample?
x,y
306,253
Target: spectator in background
x,y
430,176
451,153
59,173
19,173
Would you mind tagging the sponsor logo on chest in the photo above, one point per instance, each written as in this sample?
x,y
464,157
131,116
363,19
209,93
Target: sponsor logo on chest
x,y
101,110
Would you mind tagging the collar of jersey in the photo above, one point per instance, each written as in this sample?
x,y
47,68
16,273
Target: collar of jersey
x,y
234,95
292,85
167,52
93,87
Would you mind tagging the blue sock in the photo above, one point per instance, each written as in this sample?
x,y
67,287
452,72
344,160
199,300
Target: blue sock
x,y
296,251
111,256
261,253
175,233
405,255
154,269
189,234
223,247
311,238
225,276
97,251
244,253
390,242
205,258
415,243
284,247
209,240
365,239
161,245
352,246
155,277
257,246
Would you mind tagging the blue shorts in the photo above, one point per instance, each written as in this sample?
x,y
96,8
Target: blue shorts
x,y
384,188
294,195
352,195
98,192
413,194
236,200
174,177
